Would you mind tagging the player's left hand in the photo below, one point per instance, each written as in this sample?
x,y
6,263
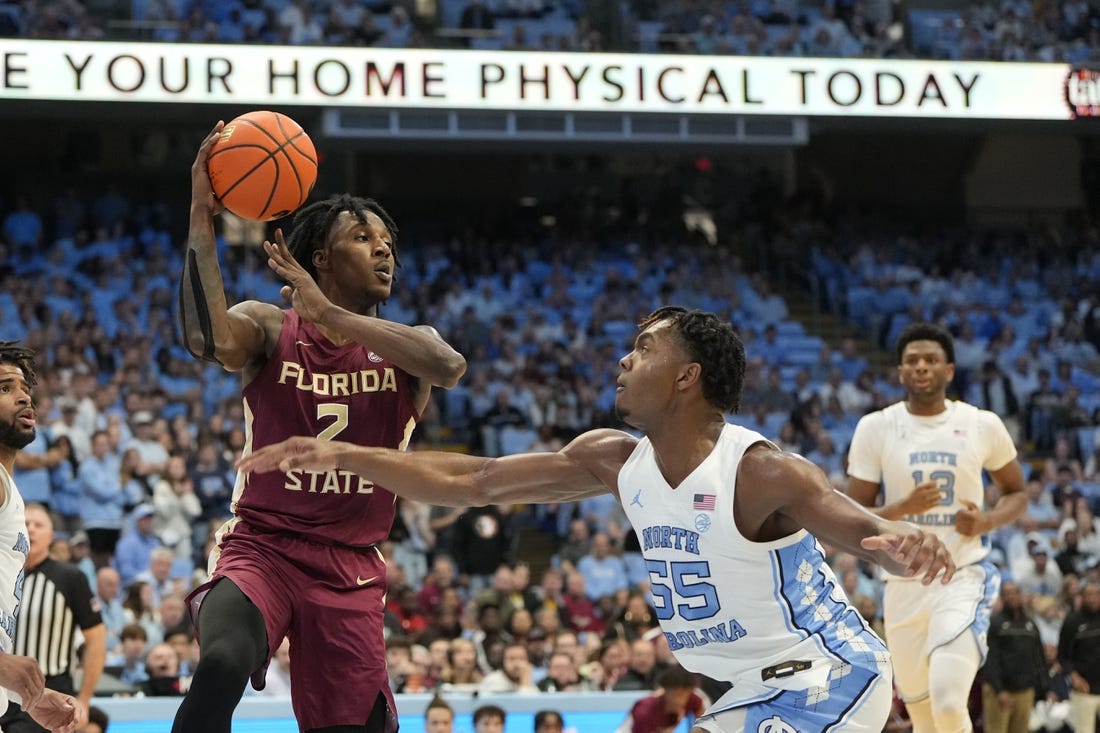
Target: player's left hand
x,y
57,712
301,290
310,454
969,522
912,553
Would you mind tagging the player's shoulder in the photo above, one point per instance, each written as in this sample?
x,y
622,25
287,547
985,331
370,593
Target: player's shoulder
x,y
988,420
878,418
764,463
604,441
258,309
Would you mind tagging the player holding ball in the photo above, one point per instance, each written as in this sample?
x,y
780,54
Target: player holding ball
x,y
298,558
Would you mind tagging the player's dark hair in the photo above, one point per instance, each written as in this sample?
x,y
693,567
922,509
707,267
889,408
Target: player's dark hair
x,y
99,717
313,226
544,716
677,678
712,343
12,353
440,703
926,332
489,711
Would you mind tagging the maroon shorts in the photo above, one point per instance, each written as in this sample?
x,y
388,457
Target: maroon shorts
x,y
329,600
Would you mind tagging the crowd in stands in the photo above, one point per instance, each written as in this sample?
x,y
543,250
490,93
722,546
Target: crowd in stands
x,y
138,438
1011,30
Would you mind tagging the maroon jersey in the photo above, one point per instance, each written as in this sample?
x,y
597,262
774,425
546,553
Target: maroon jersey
x,y
310,386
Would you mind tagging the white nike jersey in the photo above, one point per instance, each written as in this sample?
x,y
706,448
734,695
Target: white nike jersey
x,y
766,616
13,555
901,450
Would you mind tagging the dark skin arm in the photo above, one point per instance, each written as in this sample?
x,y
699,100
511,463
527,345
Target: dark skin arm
x,y
418,350
233,337
1010,506
587,467
785,492
971,520
924,497
780,493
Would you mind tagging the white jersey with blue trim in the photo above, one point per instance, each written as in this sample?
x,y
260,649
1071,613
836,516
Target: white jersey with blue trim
x,y
765,616
901,450
13,556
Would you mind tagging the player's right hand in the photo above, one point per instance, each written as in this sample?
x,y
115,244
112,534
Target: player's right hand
x,y
310,454
925,497
202,192
301,290
22,676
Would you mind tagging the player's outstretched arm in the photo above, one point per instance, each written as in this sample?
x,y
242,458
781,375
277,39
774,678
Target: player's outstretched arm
x,y
586,467
418,350
210,330
790,486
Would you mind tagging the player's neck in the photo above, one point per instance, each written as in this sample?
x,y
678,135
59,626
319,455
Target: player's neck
x,y
335,337
7,458
926,407
679,449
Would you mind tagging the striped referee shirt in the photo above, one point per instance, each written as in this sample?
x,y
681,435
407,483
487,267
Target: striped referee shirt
x,y
56,602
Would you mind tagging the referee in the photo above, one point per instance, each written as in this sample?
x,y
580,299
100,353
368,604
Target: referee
x,y
56,602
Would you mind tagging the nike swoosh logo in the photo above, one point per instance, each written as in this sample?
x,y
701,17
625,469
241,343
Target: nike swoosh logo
x,y
361,581
302,343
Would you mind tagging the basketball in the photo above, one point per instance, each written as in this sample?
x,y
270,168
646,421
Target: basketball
x,y
263,166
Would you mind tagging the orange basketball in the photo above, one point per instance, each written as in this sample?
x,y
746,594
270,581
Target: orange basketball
x,y
263,166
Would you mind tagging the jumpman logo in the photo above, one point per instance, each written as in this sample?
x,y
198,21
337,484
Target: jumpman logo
x,y
637,499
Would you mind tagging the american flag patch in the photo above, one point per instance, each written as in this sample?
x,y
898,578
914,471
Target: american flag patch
x,y
705,502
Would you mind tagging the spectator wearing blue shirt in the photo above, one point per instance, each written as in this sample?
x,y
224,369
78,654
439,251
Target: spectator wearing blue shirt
x,y
108,585
66,486
22,227
848,360
604,573
102,497
32,468
135,549
131,657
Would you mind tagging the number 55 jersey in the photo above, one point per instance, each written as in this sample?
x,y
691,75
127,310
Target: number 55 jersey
x,y
769,617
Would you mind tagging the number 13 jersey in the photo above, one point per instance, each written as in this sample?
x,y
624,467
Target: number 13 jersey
x,y
902,450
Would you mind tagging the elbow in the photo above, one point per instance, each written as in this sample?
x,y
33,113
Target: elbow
x,y
453,369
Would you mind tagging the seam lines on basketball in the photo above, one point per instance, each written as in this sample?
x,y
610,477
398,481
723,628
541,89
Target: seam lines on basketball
x,y
270,156
302,194
244,176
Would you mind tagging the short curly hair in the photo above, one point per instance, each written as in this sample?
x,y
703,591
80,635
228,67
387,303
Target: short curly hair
x,y
12,353
313,226
926,332
712,343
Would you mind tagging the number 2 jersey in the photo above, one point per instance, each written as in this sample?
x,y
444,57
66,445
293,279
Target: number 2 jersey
x,y
766,616
902,450
310,386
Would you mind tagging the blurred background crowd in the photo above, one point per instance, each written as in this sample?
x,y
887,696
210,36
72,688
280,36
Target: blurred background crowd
x,y
1010,30
134,456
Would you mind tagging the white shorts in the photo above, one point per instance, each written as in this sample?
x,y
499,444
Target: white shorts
x,y
919,618
864,710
